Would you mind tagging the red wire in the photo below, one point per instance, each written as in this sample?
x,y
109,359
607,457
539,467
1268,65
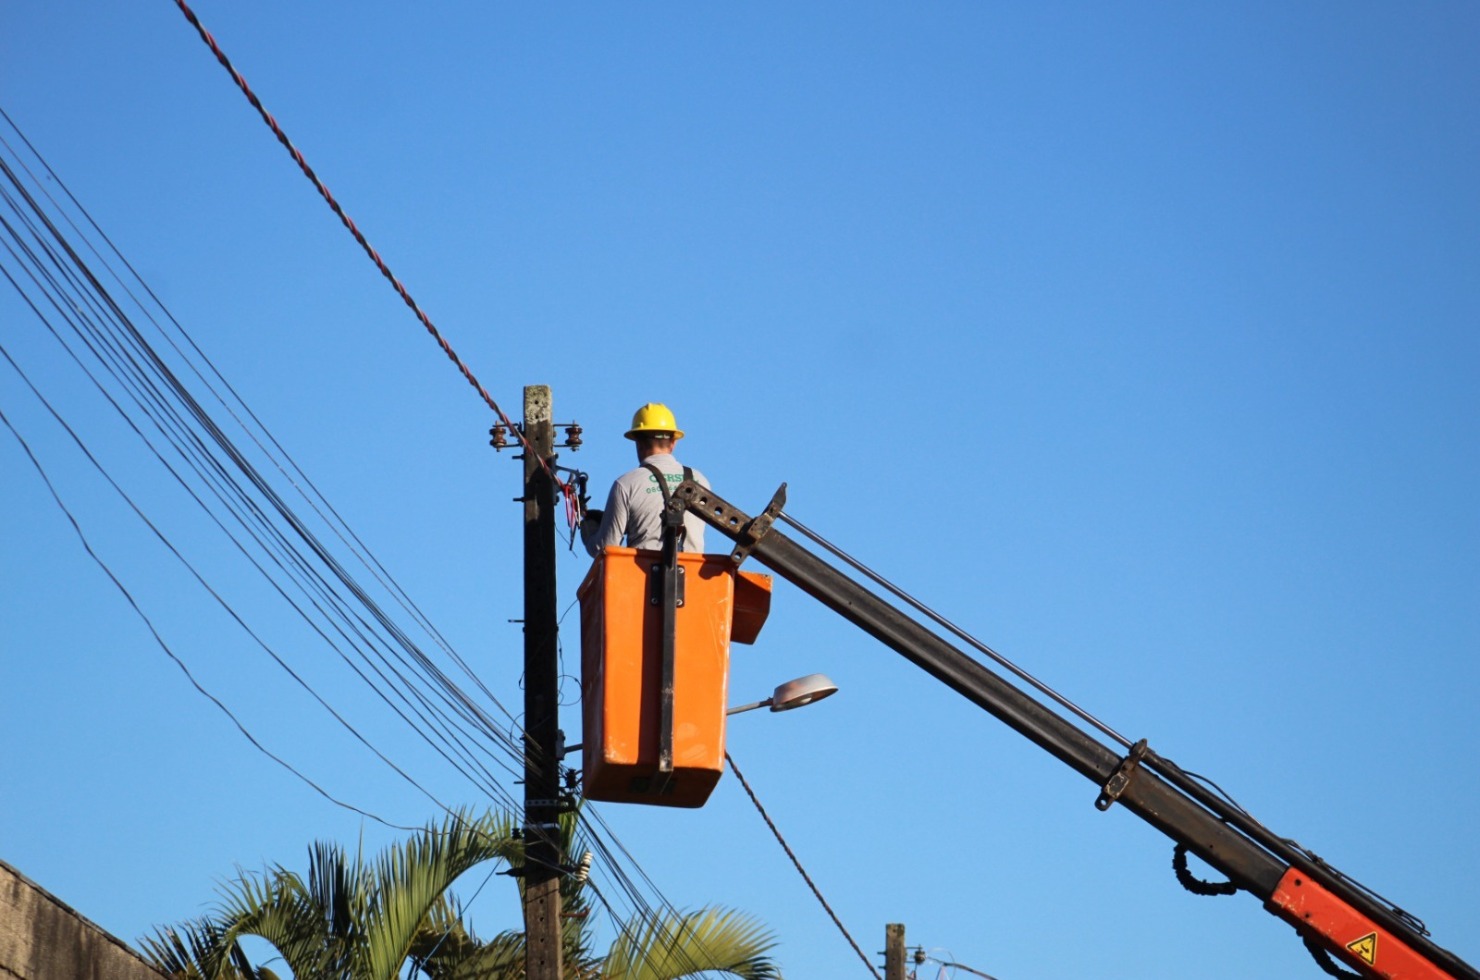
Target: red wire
x,y
572,511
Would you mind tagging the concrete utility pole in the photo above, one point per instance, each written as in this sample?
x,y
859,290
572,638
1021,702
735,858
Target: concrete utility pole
x,y
542,853
894,951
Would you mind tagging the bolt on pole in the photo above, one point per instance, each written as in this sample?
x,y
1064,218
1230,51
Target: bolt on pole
x,y
542,852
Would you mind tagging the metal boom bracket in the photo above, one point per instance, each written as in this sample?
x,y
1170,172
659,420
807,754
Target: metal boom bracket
x,y
1121,778
744,530
751,534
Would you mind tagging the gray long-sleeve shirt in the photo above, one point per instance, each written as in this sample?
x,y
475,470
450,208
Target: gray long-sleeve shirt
x,y
634,510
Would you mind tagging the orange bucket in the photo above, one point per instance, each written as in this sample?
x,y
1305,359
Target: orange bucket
x,y
621,673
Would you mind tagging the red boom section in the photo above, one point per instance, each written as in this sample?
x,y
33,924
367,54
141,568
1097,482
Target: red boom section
x,y
1347,933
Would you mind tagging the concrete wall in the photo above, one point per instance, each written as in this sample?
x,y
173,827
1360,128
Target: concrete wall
x,y
43,939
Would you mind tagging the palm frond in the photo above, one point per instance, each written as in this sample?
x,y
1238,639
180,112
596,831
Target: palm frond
x,y
687,944
501,958
192,950
337,887
407,881
278,907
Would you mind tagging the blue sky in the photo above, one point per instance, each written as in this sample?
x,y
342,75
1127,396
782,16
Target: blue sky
x,y
1139,340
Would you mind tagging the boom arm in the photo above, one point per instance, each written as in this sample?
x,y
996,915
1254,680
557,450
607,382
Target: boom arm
x,y
1323,905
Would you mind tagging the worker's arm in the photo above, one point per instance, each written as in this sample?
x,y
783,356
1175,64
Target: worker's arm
x,y
613,523
590,529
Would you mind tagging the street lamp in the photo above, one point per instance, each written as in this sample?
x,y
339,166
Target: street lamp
x,y
793,694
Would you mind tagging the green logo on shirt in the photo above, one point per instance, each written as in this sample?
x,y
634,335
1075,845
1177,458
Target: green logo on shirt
x,y
670,477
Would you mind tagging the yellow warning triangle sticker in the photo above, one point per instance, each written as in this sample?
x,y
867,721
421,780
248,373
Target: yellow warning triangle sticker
x,y
1365,948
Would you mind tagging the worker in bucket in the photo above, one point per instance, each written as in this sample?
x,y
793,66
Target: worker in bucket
x,y
634,508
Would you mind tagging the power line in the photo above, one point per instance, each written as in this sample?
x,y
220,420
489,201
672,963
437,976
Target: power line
x,y
282,137
158,638
110,351
62,280
277,453
308,171
796,862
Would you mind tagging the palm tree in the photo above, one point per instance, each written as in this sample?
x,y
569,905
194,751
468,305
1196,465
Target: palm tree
x,y
395,917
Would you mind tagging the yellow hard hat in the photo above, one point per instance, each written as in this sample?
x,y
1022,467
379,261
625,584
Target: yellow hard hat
x,y
654,417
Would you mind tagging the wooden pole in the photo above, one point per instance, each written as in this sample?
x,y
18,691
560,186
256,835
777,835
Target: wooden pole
x,y
894,951
542,853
